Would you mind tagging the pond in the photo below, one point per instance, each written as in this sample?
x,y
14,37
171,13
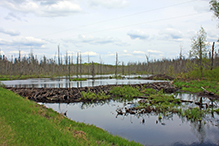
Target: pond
x,y
147,129
65,83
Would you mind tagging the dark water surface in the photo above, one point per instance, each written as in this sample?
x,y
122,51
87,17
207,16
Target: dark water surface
x,y
170,130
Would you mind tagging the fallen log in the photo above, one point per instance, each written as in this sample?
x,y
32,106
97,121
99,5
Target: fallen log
x,y
186,101
207,92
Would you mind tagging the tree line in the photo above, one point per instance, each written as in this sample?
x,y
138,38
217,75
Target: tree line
x,y
50,67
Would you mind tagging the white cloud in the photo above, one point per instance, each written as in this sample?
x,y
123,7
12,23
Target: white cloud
x,y
61,8
97,40
23,41
12,16
212,36
201,9
191,33
137,34
87,39
202,6
90,53
110,4
17,52
111,54
154,52
9,32
171,33
138,52
42,7
1,52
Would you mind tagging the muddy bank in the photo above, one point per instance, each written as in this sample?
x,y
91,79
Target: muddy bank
x,y
70,95
159,77
209,95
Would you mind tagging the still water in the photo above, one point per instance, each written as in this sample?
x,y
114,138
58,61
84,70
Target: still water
x,y
145,128
65,83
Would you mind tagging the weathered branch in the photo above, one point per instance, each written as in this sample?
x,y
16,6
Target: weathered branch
x,y
207,92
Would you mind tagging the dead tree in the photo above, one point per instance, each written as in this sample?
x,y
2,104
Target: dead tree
x,y
147,60
69,69
117,63
77,64
80,65
88,67
123,68
58,55
93,70
100,66
212,55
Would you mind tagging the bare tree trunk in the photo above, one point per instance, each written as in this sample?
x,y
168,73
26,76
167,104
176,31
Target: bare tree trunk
x,y
88,67
80,65
100,66
116,64
93,71
200,57
58,55
69,72
77,64
212,55
123,68
66,63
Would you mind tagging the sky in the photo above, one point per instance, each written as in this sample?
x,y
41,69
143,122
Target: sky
x,y
101,28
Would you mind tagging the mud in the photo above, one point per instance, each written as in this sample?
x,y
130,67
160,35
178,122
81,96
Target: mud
x,y
209,95
159,77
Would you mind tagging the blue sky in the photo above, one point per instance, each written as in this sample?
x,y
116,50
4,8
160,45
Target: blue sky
x,y
100,28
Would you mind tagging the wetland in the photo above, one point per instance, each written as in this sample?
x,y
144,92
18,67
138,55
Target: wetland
x,y
146,111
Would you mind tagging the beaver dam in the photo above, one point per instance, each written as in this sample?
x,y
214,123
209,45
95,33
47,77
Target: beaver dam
x,y
150,113
69,95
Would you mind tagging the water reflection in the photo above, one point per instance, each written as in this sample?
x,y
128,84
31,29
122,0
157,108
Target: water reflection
x,y
195,99
147,128
65,83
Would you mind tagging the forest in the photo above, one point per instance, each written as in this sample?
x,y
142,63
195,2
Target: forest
x,y
31,66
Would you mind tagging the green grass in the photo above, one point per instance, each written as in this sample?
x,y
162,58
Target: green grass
x,y
194,114
125,91
195,86
210,75
90,96
161,102
164,104
24,122
149,91
217,111
164,99
4,79
78,79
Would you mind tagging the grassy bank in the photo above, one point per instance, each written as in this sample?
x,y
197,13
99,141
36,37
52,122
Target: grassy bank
x,y
210,75
78,79
192,81
195,86
23,122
